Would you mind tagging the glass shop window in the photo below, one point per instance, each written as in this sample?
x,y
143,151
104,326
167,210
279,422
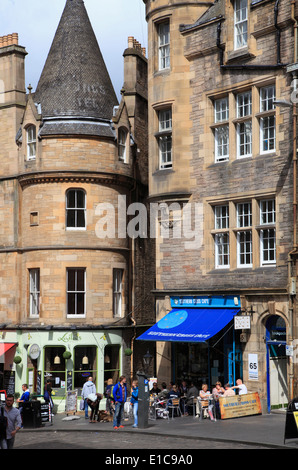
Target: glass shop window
x,y
85,365
112,363
54,369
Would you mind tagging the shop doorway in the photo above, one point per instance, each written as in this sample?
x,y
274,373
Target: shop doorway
x,y
277,388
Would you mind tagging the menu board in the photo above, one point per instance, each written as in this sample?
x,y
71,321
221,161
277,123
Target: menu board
x,y
71,401
9,382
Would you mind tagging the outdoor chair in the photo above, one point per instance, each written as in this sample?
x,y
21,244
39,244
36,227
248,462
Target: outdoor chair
x,y
174,404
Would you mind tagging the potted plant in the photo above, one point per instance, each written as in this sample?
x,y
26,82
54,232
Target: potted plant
x,y
67,355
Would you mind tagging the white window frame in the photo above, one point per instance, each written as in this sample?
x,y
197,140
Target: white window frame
x,y
34,292
76,209
222,250
164,45
267,134
122,145
221,133
221,217
31,142
165,143
240,24
267,234
244,214
244,104
244,249
244,139
117,292
268,246
76,292
267,96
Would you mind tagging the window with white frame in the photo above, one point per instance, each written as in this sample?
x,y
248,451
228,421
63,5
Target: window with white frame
x,y
31,142
76,292
240,23
244,237
222,250
165,138
164,45
221,132
221,238
244,129
267,232
34,288
117,292
75,209
267,122
122,139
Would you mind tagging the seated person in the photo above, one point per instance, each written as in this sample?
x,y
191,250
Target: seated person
x,y
155,390
241,387
205,395
174,393
229,392
192,393
164,393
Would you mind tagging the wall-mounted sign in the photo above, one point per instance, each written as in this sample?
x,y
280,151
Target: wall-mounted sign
x,y
33,351
242,323
253,367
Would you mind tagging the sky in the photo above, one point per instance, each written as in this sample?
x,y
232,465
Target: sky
x,y
36,21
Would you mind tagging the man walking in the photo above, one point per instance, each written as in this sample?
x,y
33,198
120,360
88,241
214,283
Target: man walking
x,y
119,395
14,423
88,388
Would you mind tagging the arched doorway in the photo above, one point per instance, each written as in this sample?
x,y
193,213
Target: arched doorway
x,y
277,388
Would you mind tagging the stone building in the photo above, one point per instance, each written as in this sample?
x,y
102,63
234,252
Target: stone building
x,y
69,152
222,167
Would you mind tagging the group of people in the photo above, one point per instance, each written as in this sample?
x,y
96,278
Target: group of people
x,y
11,418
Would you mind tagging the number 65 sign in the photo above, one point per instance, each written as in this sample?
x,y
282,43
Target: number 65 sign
x,y
253,367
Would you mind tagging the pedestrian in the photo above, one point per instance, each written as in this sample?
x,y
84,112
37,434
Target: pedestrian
x,y
134,402
48,394
24,398
88,388
120,395
14,422
108,395
240,386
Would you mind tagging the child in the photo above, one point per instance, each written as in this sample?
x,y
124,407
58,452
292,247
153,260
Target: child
x,y
134,402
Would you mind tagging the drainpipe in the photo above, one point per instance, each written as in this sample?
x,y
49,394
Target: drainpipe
x,y
277,31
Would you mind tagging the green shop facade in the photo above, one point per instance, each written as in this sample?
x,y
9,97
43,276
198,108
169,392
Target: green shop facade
x,y
66,357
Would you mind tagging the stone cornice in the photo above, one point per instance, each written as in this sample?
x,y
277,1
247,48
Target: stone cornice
x,y
102,178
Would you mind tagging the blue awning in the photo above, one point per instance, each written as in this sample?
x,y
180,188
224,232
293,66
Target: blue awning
x,y
193,325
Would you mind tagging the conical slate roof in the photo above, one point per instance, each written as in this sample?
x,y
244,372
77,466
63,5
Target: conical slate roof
x,y
75,82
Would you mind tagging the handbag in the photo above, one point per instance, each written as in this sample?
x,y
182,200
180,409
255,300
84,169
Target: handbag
x,y
82,404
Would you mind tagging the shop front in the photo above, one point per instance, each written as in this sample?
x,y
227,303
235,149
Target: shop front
x,y
65,357
198,337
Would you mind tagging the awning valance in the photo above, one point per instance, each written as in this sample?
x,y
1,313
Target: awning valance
x,y
4,347
190,324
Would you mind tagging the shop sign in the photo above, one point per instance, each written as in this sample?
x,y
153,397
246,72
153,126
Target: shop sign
x,y
242,323
211,301
253,367
34,351
240,405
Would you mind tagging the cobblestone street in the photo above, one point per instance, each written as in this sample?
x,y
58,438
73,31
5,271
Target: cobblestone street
x,y
106,440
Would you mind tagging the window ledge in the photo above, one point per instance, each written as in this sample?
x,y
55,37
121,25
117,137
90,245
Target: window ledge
x,y
242,54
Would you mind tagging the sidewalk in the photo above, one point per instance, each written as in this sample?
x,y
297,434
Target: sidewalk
x,y
267,429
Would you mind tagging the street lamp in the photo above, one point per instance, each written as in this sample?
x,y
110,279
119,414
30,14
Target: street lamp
x,y
147,358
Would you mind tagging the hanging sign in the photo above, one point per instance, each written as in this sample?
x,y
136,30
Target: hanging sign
x,y
242,323
33,351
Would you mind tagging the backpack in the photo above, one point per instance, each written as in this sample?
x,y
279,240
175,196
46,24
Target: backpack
x,y
3,424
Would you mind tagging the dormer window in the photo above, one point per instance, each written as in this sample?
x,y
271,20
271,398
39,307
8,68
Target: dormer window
x,y
122,142
31,142
240,23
